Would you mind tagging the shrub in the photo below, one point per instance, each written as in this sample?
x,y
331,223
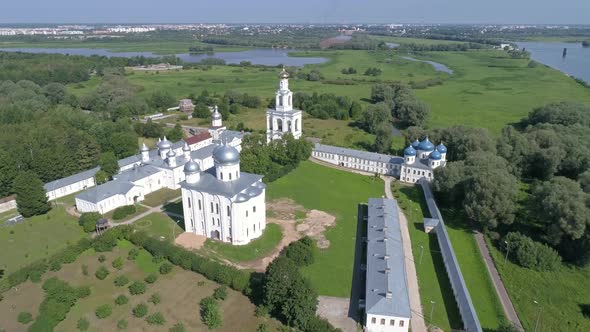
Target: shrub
x,y
121,281
59,299
118,263
178,327
25,317
210,313
151,278
133,253
137,287
156,319
83,324
261,311
103,311
165,268
102,258
262,328
124,211
155,298
122,324
83,292
220,293
301,252
101,273
140,310
158,259
121,299
532,254
88,221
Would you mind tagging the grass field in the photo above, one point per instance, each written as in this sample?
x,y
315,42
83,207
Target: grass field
x,y
160,197
432,279
180,292
338,193
160,225
37,237
560,294
251,251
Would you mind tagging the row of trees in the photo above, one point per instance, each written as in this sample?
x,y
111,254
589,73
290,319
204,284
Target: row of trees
x,y
534,178
327,105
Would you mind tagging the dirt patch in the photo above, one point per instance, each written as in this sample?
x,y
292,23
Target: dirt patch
x,y
284,209
335,310
190,240
315,224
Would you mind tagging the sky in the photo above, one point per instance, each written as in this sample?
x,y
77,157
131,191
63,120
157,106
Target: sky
x,y
296,11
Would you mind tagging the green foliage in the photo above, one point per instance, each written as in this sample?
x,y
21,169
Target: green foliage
x,y
124,211
262,328
178,327
301,252
383,138
24,317
324,106
220,293
8,172
140,310
165,268
373,71
137,288
176,133
88,221
101,273
405,108
155,299
121,281
348,71
161,99
210,313
151,278
122,324
101,258
121,299
59,298
83,324
117,263
30,195
531,254
133,253
108,164
83,292
103,311
155,319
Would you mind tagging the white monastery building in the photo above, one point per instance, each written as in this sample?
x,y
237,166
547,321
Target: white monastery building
x,y
419,161
283,118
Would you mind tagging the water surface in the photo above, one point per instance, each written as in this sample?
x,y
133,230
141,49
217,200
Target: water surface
x,y
437,66
576,62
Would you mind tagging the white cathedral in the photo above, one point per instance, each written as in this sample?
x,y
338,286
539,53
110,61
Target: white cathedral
x,y
283,118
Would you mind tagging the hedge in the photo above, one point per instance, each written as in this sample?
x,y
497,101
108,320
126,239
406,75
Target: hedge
x,y
532,254
124,211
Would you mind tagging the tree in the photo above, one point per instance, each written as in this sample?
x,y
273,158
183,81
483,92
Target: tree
x,y
161,100
155,319
88,221
532,254
137,288
101,273
121,281
55,92
202,111
376,115
8,172
108,164
24,317
301,252
176,133
584,180
121,299
124,144
30,195
383,138
140,310
220,293
83,324
356,110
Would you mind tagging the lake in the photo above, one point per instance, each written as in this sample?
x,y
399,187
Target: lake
x,y
437,66
267,57
576,63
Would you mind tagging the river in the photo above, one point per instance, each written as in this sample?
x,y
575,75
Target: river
x,y
437,66
267,57
576,63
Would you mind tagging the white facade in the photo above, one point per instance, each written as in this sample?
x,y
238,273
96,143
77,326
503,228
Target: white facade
x,y
71,188
130,197
380,323
283,118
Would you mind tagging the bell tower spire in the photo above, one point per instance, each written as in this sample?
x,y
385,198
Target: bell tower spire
x,y
283,118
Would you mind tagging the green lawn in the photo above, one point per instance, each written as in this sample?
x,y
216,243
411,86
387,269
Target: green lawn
x,y
432,279
160,197
338,193
159,225
251,251
37,237
560,294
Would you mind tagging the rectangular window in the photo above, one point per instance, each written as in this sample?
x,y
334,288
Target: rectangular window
x,y
211,207
212,221
228,211
254,228
253,209
373,320
217,208
218,223
246,213
230,176
199,205
392,322
382,321
247,233
189,202
401,323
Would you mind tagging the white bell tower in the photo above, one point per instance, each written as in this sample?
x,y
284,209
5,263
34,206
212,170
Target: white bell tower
x,y
283,118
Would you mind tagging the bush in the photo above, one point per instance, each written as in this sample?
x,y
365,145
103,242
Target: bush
x,y
59,299
532,254
88,221
124,211
137,287
121,299
261,311
165,268
140,310
83,292
301,252
102,258
210,313
155,298
83,324
103,311
220,293
156,319
133,253
151,278
118,263
262,328
25,317
122,324
121,281
178,327
101,273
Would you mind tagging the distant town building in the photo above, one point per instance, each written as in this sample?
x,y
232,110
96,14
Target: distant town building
x,y
283,118
156,67
387,303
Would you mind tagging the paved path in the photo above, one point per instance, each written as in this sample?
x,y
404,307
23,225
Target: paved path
x,y
335,310
149,210
417,320
498,284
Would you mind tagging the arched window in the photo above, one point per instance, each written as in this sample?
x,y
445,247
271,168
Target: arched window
x,y
290,100
296,124
279,125
288,125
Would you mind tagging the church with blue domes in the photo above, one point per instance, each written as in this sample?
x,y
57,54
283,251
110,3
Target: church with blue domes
x,y
420,160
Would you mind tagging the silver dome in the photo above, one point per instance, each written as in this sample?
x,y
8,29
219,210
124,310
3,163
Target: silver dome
x,y
191,167
186,147
216,115
171,154
144,148
226,155
241,198
164,144
253,191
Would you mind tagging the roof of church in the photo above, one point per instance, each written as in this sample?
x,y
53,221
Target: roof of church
x,y
365,155
197,138
386,287
136,173
209,183
106,190
53,185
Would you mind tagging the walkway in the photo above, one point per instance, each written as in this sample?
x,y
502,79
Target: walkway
x,y
417,320
498,284
149,211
